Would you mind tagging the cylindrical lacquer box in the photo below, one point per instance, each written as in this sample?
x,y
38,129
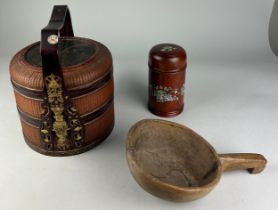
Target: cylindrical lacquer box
x,y
167,65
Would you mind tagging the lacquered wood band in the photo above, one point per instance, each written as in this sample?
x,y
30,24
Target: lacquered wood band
x,y
37,95
69,152
35,122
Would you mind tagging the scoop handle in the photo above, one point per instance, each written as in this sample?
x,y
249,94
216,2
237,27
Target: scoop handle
x,y
254,163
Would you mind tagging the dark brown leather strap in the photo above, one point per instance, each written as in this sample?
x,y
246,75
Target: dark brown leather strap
x,y
59,25
61,128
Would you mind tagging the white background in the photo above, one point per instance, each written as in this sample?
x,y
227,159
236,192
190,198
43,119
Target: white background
x,y
231,100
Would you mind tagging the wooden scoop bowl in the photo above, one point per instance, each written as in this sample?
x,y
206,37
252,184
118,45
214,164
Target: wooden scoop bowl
x,y
174,163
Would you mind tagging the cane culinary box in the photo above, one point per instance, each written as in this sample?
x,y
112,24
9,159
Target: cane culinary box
x,y
63,87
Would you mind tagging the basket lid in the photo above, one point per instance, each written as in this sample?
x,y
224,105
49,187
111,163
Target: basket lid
x,y
72,51
83,61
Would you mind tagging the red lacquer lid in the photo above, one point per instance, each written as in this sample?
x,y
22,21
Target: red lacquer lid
x,y
167,58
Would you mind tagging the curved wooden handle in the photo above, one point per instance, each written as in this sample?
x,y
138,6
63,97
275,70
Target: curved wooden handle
x,y
254,163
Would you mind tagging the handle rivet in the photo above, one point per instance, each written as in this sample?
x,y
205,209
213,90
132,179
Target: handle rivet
x,y
52,39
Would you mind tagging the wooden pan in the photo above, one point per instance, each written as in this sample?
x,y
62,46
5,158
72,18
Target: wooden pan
x,y
174,163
